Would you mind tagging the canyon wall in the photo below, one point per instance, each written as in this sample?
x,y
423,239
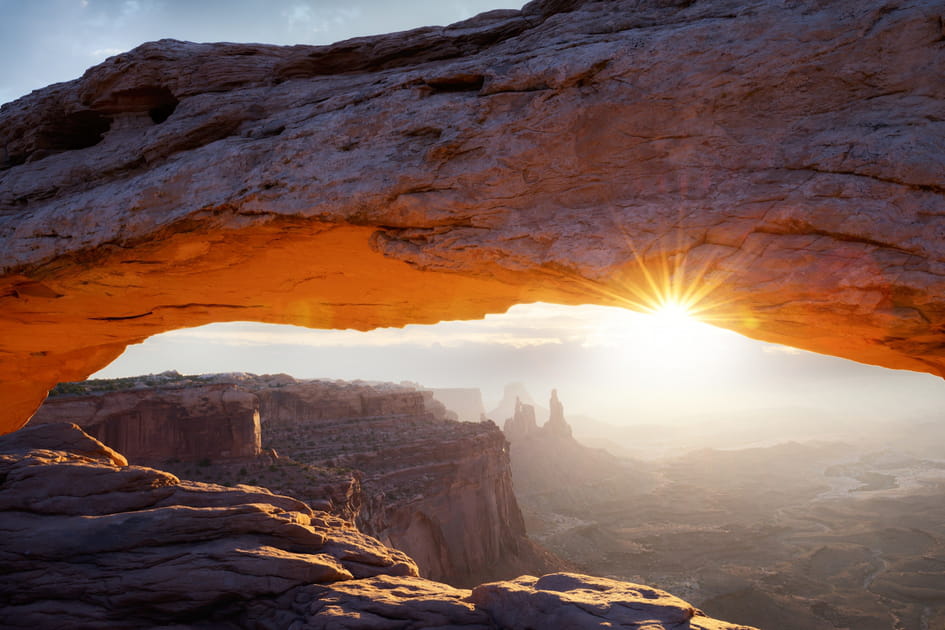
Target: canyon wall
x,y
386,456
216,421
777,164
438,489
200,555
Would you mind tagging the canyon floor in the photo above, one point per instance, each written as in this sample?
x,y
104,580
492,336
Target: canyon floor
x,y
793,536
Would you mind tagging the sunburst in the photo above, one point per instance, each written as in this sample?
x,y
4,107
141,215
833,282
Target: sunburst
x,y
665,281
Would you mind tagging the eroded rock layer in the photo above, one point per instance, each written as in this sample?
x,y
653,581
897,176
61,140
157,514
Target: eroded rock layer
x,y
214,421
91,542
780,163
385,456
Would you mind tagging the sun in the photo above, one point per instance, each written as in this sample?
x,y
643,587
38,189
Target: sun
x,y
673,313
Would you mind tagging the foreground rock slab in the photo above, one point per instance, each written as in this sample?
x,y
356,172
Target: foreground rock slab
x,y
778,164
87,541
568,600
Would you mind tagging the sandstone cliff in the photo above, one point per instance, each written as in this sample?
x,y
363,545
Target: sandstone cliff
x,y
780,163
387,456
215,421
91,542
438,489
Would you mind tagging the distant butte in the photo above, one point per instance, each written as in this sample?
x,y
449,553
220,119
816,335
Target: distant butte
x,y
783,158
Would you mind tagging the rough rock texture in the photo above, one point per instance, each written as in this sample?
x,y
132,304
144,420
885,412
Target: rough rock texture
x,y
438,489
87,541
780,163
148,426
568,600
383,455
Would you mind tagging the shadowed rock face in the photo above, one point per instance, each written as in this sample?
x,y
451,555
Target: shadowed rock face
x,y
91,542
388,458
781,161
438,489
192,423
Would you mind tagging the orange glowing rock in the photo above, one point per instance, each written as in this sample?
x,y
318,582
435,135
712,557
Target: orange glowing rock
x,y
780,167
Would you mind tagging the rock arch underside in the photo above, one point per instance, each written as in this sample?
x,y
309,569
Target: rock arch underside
x,y
783,162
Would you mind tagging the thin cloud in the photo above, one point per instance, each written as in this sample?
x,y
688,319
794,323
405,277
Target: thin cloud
x,y
777,349
103,53
522,326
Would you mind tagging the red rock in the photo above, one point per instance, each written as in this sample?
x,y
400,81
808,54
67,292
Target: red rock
x,y
123,546
437,489
780,161
189,423
90,541
568,600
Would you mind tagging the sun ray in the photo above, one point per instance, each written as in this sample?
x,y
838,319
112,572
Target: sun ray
x,y
663,278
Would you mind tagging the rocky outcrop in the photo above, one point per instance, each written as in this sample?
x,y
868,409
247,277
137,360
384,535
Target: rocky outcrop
x,y
212,422
438,489
553,472
89,541
522,424
567,600
383,455
777,164
556,423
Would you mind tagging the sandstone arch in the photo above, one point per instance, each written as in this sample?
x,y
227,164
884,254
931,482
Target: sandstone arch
x,y
784,160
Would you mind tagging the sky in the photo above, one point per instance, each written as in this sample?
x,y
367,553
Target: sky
x,y
614,365
48,41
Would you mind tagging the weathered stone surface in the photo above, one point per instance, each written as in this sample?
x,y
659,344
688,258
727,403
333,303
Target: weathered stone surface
x,y
88,541
382,455
568,600
438,489
150,426
781,162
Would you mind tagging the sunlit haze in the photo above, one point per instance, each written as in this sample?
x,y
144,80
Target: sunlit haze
x,y
615,365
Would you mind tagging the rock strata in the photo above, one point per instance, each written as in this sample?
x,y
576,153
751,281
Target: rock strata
x,y
386,456
216,421
438,489
779,163
91,542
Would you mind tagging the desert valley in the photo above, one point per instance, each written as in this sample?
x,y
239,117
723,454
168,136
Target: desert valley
x,y
799,535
